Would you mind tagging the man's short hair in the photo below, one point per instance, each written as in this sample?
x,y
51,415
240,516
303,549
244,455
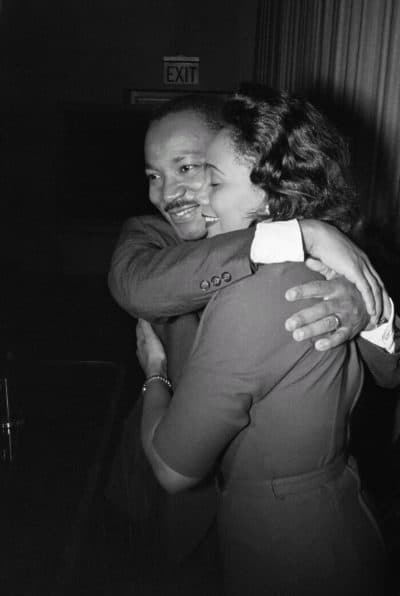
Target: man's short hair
x,y
207,106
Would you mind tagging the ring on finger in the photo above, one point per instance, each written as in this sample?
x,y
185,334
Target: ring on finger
x,y
338,322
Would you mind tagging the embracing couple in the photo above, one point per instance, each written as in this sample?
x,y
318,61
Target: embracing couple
x,y
246,403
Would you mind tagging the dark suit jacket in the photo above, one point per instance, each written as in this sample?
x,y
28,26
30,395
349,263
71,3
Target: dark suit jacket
x,y
156,276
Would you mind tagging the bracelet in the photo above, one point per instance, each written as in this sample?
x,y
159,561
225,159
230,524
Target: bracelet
x,y
164,380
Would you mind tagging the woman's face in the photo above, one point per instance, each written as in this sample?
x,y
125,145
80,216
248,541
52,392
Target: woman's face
x,y
233,197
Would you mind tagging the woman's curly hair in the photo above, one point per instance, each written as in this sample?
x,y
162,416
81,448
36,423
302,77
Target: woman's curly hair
x,y
299,159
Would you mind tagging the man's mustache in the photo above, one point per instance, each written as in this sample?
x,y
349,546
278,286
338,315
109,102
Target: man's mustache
x,y
180,204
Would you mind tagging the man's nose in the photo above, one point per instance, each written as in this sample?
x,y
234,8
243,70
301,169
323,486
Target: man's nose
x,y
173,191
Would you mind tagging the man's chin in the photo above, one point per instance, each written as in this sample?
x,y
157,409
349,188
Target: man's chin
x,y
190,230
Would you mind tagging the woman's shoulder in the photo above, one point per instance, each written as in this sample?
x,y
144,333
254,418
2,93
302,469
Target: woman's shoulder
x,y
284,273
252,312
265,291
276,277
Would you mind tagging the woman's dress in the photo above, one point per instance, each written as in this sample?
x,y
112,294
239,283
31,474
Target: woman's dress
x,y
274,414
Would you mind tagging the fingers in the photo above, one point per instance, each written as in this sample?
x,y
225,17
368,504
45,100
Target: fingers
x,y
314,264
376,291
319,267
308,316
317,328
139,330
371,268
387,304
144,330
340,254
337,338
312,289
364,277
329,336
145,326
342,306
369,284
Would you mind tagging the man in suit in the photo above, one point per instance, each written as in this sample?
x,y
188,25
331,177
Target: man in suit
x,y
164,272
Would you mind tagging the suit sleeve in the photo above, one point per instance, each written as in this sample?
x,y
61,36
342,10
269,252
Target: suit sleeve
x,y
241,352
384,367
153,274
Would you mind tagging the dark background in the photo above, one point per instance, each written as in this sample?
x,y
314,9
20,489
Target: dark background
x,y
72,148
71,170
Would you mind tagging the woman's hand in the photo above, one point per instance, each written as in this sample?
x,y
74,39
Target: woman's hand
x,y
149,350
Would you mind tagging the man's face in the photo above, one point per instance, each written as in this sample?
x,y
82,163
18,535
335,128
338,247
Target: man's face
x,y
175,149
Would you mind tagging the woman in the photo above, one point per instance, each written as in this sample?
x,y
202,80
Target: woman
x,y
269,413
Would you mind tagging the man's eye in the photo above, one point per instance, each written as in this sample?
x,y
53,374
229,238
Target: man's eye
x,y
151,176
189,167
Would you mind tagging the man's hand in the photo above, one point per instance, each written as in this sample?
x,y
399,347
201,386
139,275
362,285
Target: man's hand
x,y
326,244
341,300
149,350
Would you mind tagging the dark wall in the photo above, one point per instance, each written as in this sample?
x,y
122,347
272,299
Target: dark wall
x,y
71,151
60,61
89,51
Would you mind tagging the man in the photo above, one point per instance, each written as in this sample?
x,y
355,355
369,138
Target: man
x,y
156,276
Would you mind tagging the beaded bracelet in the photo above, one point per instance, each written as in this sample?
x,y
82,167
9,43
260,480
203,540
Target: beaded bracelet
x,y
156,378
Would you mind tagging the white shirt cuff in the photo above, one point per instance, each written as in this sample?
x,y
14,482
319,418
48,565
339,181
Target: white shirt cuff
x,y
277,242
383,335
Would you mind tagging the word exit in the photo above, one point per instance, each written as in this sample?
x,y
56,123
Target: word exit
x,y
181,70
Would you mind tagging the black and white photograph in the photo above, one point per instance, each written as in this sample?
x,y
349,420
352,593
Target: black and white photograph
x,y
200,298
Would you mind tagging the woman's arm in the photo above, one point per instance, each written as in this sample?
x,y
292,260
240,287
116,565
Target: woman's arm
x,y
155,407
231,366
157,392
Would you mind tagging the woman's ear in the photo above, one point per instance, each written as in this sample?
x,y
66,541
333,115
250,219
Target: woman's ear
x,y
264,207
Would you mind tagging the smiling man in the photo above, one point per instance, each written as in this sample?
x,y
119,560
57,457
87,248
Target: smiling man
x,y
175,170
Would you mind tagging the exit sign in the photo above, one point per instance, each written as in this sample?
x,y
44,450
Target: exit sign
x,y
181,70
